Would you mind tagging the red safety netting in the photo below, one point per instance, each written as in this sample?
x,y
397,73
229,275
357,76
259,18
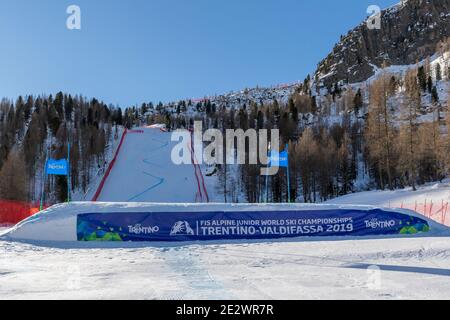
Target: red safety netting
x,y
436,210
12,212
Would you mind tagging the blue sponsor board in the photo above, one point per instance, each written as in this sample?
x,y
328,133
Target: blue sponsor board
x,y
278,159
57,167
207,226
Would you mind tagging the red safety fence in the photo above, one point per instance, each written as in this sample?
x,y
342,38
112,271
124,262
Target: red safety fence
x,y
435,210
12,212
110,167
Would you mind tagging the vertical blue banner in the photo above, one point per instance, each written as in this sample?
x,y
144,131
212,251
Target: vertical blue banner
x,y
278,159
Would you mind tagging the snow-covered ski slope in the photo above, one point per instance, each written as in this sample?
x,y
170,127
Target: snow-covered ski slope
x,y
144,172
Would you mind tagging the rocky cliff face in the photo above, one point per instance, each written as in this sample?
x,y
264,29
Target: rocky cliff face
x,y
410,32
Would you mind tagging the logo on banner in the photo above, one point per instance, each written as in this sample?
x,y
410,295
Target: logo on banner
x,y
182,228
139,229
377,224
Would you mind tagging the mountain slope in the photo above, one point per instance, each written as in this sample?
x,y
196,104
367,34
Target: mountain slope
x,y
410,32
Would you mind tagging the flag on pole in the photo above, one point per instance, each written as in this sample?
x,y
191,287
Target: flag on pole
x,y
278,159
281,160
57,167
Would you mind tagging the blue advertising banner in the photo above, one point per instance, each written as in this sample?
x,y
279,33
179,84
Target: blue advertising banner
x,y
57,167
207,226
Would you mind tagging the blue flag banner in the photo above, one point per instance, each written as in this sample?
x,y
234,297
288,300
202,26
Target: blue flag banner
x,y
57,167
243,225
278,159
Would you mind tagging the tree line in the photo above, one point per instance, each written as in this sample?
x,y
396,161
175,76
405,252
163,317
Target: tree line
x,y
33,129
389,133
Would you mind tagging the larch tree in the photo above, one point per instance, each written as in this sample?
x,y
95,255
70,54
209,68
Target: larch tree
x,y
345,165
408,139
380,130
444,144
306,153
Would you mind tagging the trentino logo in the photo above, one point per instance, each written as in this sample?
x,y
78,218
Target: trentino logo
x,y
139,229
377,224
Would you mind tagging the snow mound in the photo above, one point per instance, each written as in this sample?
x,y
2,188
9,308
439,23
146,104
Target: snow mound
x,y
430,197
433,192
59,223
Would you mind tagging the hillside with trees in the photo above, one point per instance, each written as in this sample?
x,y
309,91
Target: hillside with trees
x,y
33,129
387,133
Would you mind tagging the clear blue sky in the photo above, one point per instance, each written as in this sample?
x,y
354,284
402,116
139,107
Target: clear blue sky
x,y
134,51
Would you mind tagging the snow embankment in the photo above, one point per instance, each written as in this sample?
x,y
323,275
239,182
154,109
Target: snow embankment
x,y
430,200
61,223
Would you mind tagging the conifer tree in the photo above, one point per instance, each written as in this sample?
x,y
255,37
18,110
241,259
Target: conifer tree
x,y
438,72
422,78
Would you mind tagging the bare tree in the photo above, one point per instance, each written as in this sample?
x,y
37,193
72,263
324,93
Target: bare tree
x,y
380,130
408,139
13,178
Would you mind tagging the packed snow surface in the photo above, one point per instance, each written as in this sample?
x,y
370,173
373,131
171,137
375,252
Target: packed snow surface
x,y
409,268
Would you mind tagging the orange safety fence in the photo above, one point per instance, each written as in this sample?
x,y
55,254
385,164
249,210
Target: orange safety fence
x,y
12,212
432,209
